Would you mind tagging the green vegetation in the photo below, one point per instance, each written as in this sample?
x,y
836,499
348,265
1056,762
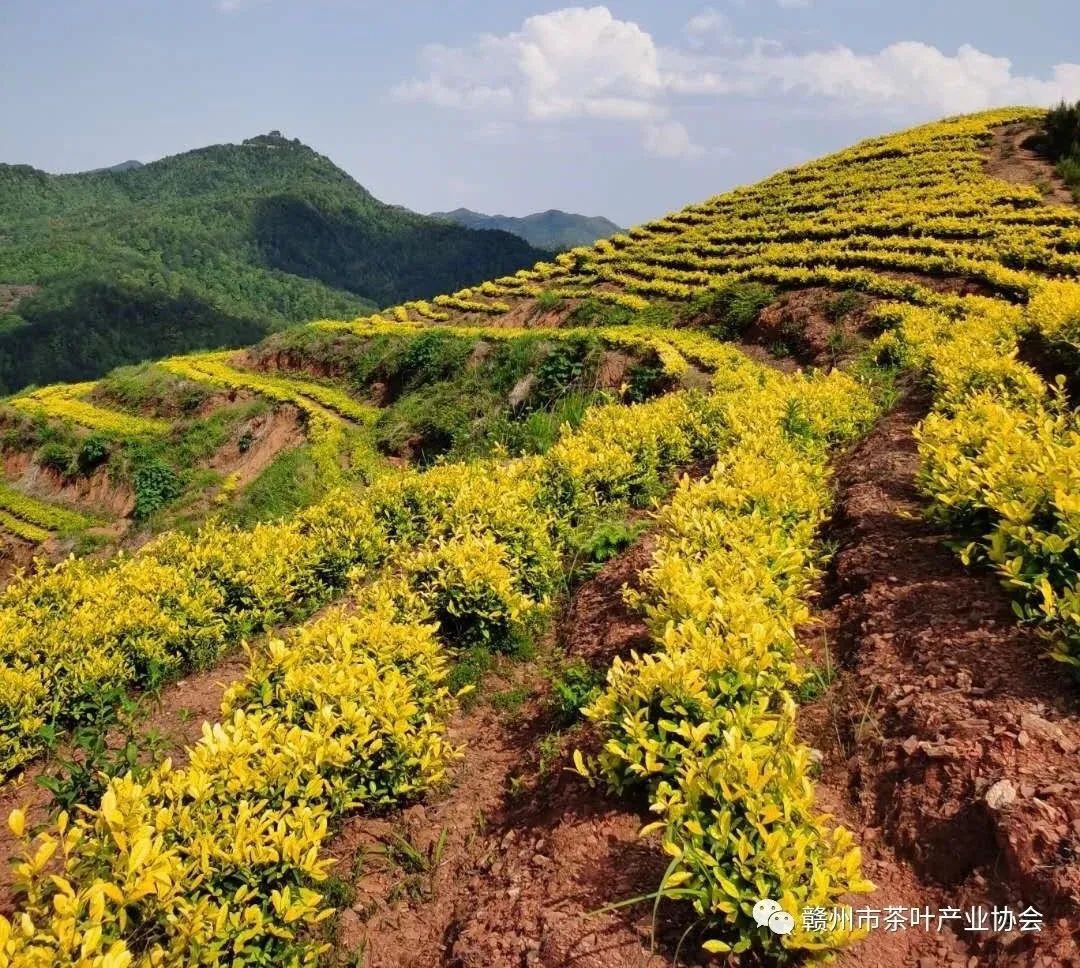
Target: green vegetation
x,y
572,688
211,248
151,388
111,740
592,311
451,569
1061,141
448,394
844,304
290,482
598,542
733,307
159,469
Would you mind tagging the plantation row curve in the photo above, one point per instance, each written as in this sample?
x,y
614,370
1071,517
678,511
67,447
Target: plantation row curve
x,y
220,860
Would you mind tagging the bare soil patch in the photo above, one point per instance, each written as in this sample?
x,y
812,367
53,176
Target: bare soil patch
x,y
527,313
521,851
95,492
268,358
15,555
257,442
12,294
1013,158
815,326
950,740
950,285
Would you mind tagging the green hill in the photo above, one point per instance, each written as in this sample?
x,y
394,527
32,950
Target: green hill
x,y
552,230
214,247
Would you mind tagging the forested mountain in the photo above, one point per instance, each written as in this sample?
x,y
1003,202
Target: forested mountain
x,y
209,248
552,230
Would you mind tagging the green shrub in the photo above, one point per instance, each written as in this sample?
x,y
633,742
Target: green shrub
x,y
156,485
539,430
843,304
1060,141
548,301
434,355
1069,169
94,452
575,686
659,314
595,312
734,307
558,373
645,381
1061,131
58,457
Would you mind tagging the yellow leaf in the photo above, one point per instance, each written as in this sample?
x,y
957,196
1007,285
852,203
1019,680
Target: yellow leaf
x,y
17,822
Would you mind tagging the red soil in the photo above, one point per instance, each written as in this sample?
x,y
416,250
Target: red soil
x,y
527,852
1012,159
949,740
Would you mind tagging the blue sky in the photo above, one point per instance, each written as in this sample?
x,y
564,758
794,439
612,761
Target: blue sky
x,y
628,109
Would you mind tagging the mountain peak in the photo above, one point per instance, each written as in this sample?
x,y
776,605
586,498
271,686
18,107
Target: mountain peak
x,y
129,165
273,139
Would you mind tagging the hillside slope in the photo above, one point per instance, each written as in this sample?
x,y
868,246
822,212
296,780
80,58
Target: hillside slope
x,y
651,605
214,247
552,230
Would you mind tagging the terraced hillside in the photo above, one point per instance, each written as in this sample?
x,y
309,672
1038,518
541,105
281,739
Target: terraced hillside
x,y
731,558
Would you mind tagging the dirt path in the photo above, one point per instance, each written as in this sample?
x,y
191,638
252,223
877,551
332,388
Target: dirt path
x,y
1012,159
950,740
519,851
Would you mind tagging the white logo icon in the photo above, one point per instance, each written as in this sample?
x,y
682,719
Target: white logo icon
x,y
769,914
764,910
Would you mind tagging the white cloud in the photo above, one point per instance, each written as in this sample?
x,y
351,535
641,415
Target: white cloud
x,y
573,63
785,4
670,139
584,63
907,76
705,24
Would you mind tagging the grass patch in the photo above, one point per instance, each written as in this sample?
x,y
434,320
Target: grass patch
x,y
548,301
291,481
1069,169
596,312
151,390
572,687
510,701
468,668
844,304
598,542
732,308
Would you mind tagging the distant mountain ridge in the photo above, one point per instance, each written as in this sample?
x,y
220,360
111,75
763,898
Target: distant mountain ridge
x,y
213,247
115,169
553,230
